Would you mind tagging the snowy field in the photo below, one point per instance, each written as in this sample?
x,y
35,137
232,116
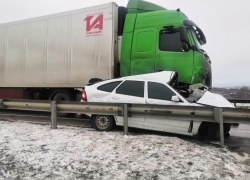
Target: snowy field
x,y
29,151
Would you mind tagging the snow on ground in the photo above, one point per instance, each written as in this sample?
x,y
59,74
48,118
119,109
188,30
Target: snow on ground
x,y
29,151
241,105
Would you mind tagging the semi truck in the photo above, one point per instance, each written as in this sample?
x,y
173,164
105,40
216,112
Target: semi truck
x,y
55,56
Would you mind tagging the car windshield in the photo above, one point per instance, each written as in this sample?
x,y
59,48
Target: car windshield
x,y
197,43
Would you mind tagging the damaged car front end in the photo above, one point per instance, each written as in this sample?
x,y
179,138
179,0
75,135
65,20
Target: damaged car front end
x,y
200,95
161,88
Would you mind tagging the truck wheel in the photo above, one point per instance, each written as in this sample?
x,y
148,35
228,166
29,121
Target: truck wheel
x,y
103,122
61,97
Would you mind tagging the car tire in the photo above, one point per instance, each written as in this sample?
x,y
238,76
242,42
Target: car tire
x,y
227,135
103,122
227,128
212,132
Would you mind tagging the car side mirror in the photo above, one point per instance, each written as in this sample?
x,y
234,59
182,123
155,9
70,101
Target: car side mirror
x,y
183,35
175,99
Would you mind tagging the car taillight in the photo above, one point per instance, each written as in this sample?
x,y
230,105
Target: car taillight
x,y
84,96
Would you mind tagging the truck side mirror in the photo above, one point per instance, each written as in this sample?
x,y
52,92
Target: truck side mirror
x,y
185,47
183,34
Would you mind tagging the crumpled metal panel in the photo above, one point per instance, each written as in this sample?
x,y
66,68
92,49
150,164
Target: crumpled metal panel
x,y
216,100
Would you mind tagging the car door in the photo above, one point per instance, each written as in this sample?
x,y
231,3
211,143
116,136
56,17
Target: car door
x,y
102,92
130,91
159,93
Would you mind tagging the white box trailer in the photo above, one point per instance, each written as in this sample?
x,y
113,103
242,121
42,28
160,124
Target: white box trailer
x,y
63,50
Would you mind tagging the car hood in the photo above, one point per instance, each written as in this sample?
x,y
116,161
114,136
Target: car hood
x,y
215,100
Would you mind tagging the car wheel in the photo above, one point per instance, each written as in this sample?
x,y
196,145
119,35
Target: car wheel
x,y
227,135
203,129
227,128
212,132
103,122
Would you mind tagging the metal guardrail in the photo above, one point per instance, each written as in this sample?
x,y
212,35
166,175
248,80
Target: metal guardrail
x,y
185,113
240,101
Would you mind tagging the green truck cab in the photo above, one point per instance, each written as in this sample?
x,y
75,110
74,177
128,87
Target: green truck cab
x,y
156,39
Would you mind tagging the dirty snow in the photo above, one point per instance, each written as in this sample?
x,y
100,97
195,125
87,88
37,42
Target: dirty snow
x,y
29,151
244,106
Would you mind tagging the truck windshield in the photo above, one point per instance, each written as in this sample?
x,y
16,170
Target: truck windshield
x,y
197,43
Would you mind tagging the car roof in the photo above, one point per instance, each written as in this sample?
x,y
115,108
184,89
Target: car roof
x,y
163,76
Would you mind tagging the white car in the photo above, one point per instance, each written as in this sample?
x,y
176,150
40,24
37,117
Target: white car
x,y
151,88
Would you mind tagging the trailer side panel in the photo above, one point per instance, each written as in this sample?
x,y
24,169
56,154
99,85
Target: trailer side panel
x,y
61,50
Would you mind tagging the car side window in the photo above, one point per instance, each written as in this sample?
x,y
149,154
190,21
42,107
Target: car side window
x,y
109,87
131,88
159,91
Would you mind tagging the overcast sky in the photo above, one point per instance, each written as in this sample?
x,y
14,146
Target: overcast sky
x,y
225,23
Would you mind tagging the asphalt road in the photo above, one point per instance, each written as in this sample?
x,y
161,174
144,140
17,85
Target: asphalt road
x,y
43,118
239,140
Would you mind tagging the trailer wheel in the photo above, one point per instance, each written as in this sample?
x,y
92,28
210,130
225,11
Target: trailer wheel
x,y
61,97
103,122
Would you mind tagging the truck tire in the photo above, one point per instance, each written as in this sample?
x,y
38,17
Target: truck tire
x,y
103,122
62,97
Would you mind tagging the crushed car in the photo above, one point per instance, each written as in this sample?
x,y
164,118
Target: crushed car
x,y
159,88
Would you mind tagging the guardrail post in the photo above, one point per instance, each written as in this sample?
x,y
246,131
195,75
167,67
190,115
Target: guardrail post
x,y
53,115
125,115
218,112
